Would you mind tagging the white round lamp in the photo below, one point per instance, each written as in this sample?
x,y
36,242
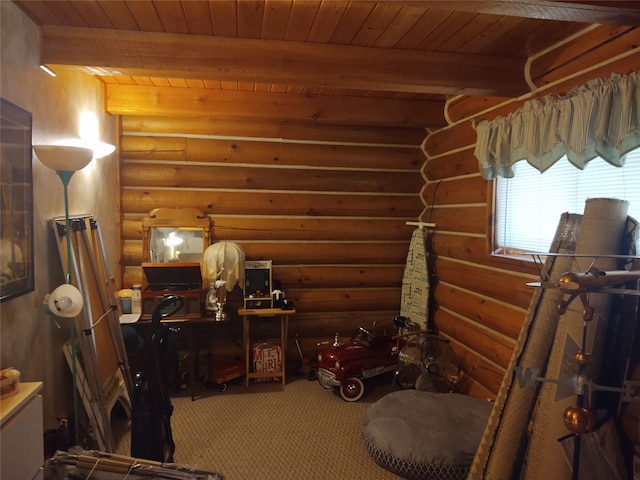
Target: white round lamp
x,y
65,301
65,161
63,158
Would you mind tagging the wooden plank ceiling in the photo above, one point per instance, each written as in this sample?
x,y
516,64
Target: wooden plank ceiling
x,y
335,62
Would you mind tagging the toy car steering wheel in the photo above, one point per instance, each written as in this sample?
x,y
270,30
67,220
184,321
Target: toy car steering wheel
x,y
363,336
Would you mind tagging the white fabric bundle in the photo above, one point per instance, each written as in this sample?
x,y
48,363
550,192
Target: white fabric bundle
x,y
226,259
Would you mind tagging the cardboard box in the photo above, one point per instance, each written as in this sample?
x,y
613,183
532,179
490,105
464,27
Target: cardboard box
x,y
267,357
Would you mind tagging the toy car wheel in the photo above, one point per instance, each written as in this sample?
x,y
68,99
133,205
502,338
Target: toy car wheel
x,y
312,374
222,387
352,390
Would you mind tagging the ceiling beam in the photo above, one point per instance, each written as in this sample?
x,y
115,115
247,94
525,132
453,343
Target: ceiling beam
x,y
279,107
111,52
604,12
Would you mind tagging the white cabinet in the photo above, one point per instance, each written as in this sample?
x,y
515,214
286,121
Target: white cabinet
x,y
22,436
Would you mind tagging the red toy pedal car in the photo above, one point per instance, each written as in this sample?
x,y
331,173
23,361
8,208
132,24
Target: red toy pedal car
x,y
364,356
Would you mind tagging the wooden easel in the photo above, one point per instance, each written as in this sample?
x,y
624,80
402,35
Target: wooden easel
x,y
99,359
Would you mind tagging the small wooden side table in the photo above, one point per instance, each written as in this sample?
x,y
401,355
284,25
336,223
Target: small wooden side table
x,y
247,314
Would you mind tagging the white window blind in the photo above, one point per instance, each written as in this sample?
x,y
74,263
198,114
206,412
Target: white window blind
x,y
529,205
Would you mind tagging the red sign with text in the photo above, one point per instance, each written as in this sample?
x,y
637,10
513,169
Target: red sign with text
x,y
267,356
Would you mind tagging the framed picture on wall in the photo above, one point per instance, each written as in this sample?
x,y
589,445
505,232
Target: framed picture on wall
x,y
16,202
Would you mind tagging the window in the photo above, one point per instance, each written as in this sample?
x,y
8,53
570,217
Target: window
x,y
529,205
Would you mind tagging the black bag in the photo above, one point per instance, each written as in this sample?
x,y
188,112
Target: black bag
x,y
151,408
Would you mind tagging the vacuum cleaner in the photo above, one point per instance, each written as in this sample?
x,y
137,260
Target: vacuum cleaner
x,y
151,407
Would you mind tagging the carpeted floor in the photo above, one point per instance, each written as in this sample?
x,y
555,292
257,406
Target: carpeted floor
x,y
272,432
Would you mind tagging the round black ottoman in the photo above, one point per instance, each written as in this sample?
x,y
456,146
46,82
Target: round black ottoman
x,y
425,435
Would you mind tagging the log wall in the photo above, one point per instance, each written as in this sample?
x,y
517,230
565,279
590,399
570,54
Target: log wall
x,y
482,299
328,205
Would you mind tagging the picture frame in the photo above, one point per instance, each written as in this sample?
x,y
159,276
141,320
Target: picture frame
x,y
16,202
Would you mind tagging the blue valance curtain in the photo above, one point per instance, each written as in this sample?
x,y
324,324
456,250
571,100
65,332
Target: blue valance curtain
x,y
598,119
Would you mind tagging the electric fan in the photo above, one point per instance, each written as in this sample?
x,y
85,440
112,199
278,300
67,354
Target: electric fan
x,y
427,362
410,362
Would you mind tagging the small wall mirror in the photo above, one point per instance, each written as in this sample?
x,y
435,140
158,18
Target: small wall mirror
x,y
175,235
169,244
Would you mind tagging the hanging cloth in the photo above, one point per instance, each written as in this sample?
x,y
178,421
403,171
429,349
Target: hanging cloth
x,y
599,119
415,282
223,255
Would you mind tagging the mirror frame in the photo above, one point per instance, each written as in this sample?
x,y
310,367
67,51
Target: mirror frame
x,y
188,218
16,193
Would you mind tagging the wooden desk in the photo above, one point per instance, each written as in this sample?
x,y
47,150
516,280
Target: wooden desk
x,y
264,313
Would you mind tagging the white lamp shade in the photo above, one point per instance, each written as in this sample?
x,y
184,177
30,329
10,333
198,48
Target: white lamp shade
x,y
65,301
63,157
102,149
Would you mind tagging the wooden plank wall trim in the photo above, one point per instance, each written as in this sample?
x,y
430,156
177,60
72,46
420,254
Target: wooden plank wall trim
x,y
482,377
119,273
496,315
480,299
265,152
452,164
304,132
269,106
564,71
615,43
494,347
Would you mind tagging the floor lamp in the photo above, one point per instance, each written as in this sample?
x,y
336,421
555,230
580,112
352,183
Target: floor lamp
x,y
66,300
